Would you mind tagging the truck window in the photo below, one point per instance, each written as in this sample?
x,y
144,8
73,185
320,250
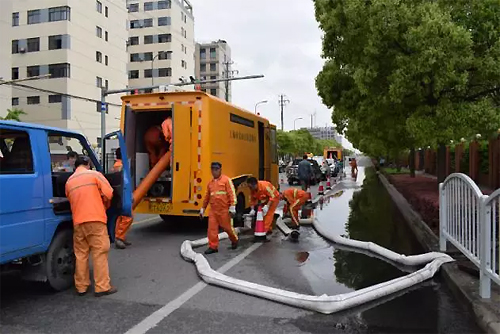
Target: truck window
x,y
274,148
16,156
63,152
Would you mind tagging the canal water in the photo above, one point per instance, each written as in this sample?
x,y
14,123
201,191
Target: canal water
x,y
362,209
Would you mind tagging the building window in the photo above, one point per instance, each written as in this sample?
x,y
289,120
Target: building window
x,y
106,60
59,14
148,6
134,74
33,44
15,46
59,70
15,19
55,98
98,5
148,39
134,24
98,57
135,57
213,91
148,56
98,31
106,36
15,73
203,67
106,83
213,67
164,21
33,71
183,64
98,82
148,23
133,7
213,53
148,73
164,38
165,72
134,40
106,11
182,33
165,55
164,4
203,53
55,42
34,16
33,99
15,101
213,77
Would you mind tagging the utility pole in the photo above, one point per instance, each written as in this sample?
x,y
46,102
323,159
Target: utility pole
x,y
228,73
282,103
312,118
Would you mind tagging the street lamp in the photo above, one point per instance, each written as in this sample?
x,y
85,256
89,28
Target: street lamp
x,y
152,63
295,120
261,102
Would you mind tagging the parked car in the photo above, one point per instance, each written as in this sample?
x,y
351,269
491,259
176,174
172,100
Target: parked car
x,y
334,166
293,177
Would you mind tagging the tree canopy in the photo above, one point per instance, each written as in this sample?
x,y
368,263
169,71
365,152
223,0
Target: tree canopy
x,y
400,74
298,142
13,115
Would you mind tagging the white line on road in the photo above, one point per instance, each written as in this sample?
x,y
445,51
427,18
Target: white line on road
x,y
147,220
155,318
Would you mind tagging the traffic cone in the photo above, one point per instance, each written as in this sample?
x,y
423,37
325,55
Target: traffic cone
x,y
328,185
321,190
260,231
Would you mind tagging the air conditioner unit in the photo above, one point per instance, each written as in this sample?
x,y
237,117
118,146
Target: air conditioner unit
x,y
22,50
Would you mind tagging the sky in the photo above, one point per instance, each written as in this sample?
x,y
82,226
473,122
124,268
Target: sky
x,y
277,38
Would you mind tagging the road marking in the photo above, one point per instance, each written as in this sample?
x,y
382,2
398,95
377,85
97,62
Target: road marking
x,y
155,318
147,220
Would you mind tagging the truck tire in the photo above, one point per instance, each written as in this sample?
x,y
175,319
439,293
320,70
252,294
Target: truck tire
x,y
238,220
165,218
290,182
60,261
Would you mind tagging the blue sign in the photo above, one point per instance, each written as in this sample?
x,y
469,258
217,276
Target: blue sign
x,y
103,106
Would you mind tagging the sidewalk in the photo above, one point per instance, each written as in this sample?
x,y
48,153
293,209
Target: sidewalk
x,y
418,200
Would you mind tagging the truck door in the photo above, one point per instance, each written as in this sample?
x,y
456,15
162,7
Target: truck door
x,y
22,220
262,170
119,178
182,123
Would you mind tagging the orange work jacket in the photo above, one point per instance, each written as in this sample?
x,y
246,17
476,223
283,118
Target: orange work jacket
x,y
220,194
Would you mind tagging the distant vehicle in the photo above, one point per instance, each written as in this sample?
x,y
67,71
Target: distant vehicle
x,y
334,167
332,153
293,177
36,228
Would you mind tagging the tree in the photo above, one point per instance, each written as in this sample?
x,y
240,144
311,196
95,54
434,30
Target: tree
x,y
13,115
401,74
298,142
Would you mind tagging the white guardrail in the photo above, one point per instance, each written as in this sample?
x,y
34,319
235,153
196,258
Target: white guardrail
x,y
469,220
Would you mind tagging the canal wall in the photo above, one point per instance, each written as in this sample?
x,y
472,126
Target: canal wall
x,y
463,285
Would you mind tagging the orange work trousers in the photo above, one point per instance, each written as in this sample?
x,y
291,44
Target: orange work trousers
x,y
91,237
295,211
123,224
269,218
221,219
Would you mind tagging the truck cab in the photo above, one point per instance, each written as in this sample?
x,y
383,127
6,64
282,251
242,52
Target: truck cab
x,y
36,229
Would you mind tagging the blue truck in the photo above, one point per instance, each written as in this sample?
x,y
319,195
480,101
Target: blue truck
x,y
36,230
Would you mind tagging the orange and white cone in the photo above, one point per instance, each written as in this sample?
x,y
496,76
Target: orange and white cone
x,y
321,190
260,231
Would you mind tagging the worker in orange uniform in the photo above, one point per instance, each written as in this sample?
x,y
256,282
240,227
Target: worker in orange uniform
x,y
89,195
166,128
354,166
123,223
155,145
295,198
264,192
222,199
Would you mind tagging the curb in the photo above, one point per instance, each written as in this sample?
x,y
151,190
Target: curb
x,y
459,282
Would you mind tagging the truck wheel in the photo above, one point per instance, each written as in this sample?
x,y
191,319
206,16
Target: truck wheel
x,y
238,220
61,261
290,182
165,218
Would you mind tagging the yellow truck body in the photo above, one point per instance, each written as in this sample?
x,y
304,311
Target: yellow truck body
x,y
331,152
205,129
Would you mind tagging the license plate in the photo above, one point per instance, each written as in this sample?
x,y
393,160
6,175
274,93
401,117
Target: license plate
x,y
160,207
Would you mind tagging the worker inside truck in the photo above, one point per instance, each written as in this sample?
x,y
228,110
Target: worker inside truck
x,y
153,139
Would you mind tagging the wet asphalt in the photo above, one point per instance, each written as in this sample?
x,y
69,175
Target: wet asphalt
x,y
151,274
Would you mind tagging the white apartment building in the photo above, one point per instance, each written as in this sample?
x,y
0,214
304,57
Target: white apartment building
x,y
5,56
161,42
213,61
327,132
82,45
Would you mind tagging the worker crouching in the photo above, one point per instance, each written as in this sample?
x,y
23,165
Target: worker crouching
x,y
89,195
295,199
265,193
222,199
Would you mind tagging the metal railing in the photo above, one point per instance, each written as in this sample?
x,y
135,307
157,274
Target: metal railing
x,y
469,220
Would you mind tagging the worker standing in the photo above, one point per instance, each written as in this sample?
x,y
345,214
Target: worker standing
x,y
264,192
294,199
155,145
304,171
354,166
89,195
222,199
166,128
123,223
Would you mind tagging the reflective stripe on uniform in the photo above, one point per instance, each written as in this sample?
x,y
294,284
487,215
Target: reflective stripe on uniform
x,y
271,193
82,185
218,193
233,191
